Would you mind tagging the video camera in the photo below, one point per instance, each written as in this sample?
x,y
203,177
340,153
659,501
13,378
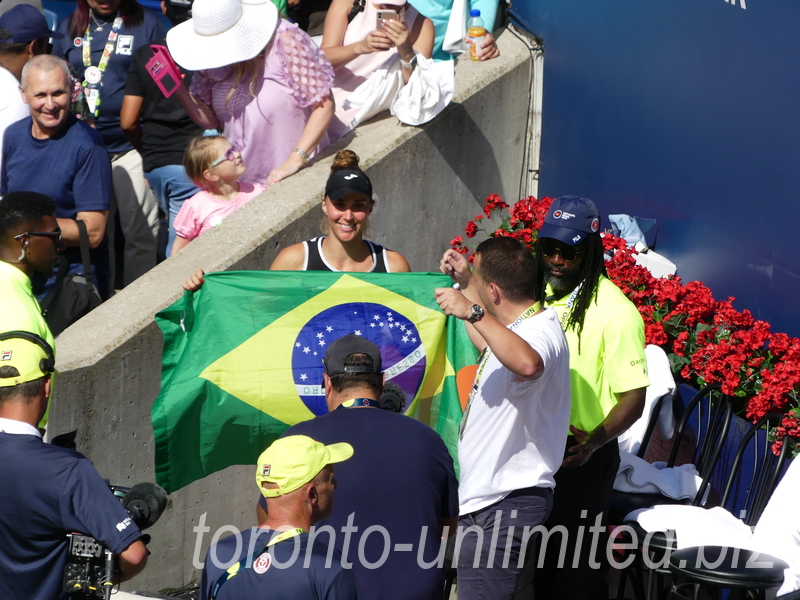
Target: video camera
x,y
90,565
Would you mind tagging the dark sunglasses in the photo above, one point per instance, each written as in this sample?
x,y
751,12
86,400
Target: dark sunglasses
x,y
550,248
53,235
230,154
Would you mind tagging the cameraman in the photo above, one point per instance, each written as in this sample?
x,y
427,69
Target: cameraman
x,y
47,491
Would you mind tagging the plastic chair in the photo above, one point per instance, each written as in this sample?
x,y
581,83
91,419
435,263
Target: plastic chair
x,y
733,571
711,412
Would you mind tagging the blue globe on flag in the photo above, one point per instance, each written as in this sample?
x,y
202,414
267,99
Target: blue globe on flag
x,y
395,335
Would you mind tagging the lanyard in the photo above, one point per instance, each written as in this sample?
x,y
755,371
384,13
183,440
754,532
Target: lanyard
x,y
232,571
352,403
484,359
570,302
93,76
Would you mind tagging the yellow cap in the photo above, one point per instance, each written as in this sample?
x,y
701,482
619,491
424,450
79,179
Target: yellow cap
x,y
27,357
293,461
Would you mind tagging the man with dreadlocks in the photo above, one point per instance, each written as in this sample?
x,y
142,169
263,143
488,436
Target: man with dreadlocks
x,y
608,375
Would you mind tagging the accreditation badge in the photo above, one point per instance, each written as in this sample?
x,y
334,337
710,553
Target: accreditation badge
x,y
92,75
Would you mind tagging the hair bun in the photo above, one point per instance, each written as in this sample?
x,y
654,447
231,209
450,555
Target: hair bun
x,y
344,159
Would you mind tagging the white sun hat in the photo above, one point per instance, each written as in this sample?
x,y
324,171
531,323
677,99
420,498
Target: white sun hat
x,y
222,32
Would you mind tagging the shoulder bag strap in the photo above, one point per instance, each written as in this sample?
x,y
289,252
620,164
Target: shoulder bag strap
x,y
87,264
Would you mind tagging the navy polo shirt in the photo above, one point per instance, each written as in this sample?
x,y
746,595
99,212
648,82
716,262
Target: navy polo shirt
x,y
47,492
289,570
130,38
401,478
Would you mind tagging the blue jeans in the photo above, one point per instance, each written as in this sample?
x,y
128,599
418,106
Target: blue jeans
x,y
490,564
171,187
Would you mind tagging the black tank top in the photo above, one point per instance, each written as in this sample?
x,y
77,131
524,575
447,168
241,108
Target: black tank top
x,y
315,261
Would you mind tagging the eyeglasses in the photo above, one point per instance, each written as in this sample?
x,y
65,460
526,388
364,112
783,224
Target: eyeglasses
x,y
53,235
230,154
550,247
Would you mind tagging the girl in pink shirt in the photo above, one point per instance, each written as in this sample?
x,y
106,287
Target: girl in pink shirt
x,y
215,166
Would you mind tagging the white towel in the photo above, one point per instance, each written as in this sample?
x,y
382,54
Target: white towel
x,y
661,384
695,526
637,476
778,529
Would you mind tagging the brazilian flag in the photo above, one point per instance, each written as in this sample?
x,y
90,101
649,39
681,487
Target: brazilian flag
x,y
243,359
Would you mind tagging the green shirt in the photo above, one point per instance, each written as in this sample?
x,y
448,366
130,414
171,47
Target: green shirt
x,y
611,357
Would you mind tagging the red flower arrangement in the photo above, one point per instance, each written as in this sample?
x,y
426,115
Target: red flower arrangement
x,y
707,341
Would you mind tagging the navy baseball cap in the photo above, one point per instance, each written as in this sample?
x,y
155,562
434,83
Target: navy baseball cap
x,y
348,181
25,24
570,219
339,351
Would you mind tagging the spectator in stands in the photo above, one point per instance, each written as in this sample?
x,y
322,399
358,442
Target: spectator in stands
x,y
23,35
426,494
296,476
439,11
347,204
54,143
215,165
30,240
100,41
356,50
160,129
260,78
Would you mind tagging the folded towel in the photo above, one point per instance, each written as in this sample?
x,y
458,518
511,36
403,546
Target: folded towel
x,y
637,476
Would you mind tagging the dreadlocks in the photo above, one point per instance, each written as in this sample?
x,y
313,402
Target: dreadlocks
x,y
591,270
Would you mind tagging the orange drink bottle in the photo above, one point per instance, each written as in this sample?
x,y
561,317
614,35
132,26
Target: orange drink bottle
x,y
475,30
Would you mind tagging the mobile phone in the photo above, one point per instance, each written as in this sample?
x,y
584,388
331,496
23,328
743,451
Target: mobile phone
x,y
385,15
164,71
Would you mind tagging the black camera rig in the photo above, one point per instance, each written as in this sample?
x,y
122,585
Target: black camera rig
x,y
91,566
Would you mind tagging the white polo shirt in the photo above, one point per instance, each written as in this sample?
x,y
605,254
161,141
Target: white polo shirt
x,y
516,430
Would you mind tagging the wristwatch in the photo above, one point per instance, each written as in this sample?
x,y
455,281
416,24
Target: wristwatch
x,y
477,314
410,64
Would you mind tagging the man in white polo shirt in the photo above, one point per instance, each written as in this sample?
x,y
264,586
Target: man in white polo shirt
x,y
514,427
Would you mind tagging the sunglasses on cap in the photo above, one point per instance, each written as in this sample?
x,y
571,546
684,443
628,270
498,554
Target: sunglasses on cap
x,y
53,235
551,247
230,154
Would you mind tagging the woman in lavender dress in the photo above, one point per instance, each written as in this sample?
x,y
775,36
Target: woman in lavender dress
x,y
260,79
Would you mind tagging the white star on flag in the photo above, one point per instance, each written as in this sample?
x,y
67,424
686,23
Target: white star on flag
x,y
322,342
413,339
303,376
306,349
329,328
320,335
372,324
377,317
297,345
405,338
358,332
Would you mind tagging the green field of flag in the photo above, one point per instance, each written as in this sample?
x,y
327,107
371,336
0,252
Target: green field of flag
x,y
242,359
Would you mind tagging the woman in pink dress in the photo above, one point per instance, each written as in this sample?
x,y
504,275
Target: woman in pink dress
x,y
260,79
358,49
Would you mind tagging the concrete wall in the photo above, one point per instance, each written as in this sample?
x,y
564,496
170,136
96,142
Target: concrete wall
x,y
429,181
